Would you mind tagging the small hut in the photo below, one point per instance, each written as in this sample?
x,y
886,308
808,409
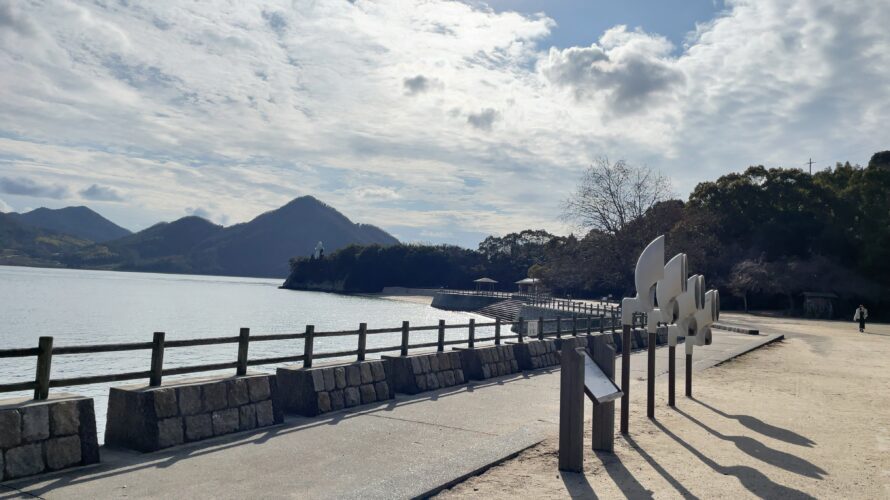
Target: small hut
x,y
819,305
483,284
528,285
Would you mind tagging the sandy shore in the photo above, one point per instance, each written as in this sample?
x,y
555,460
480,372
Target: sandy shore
x,y
808,417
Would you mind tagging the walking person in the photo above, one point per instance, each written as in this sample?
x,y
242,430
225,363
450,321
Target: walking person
x,y
861,314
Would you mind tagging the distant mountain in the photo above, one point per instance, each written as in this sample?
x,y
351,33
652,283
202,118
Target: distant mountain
x,y
22,245
80,222
264,246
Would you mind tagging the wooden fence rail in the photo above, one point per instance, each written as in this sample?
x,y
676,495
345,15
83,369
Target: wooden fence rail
x,y
159,344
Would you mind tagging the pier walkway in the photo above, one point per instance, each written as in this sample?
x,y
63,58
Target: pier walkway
x,y
403,448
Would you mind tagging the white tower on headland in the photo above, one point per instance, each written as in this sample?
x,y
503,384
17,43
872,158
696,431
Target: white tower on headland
x,y
319,251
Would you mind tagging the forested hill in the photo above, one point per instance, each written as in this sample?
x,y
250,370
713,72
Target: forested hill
x,y
80,222
762,236
261,247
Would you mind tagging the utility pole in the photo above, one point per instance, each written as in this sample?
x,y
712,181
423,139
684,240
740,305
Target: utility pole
x,y
811,166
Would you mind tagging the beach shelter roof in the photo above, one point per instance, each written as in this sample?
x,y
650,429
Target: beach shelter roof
x,y
484,280
528,281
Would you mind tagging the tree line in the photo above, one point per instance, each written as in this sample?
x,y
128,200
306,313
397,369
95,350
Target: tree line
x,y
762,236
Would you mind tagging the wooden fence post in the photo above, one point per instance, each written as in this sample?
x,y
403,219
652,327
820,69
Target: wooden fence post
x,y
44,363
308,345
497,331
243,343
157,359
441,341
574,325
405,330
688,373
558,327
602,323
362,340
603,418
589,325
519,319
471,340
541,328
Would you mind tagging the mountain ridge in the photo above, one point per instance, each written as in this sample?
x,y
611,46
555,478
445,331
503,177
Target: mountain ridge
x,y
261,247
78,221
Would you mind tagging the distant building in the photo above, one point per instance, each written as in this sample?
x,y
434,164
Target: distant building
x,y
819,305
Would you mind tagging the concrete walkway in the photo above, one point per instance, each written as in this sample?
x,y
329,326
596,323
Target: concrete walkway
x,y
402,449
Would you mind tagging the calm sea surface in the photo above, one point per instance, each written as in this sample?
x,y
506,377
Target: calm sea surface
x,y
95,307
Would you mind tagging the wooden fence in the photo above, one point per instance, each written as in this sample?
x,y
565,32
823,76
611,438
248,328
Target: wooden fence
x,y
45,349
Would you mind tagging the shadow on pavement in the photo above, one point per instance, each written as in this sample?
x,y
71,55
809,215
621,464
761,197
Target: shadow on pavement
x,y
760,451
759,426
752,479
577,485
658,468
623,477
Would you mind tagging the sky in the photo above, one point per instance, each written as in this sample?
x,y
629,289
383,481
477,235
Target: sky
x,y
439,121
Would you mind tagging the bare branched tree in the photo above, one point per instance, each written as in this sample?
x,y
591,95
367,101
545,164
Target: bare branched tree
x,y
612,195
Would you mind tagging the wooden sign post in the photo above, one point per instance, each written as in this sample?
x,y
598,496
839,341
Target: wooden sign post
x,y
582,374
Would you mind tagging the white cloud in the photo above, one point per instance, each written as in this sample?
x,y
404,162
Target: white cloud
x,y
5,207
453,108
101,193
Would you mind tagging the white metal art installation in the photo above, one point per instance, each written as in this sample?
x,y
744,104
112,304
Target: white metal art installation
x,y
649,271
670,288
690,301
703,319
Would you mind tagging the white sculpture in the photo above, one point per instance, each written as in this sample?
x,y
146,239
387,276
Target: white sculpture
x,y
319,251
649,271
672,286
687,304
703,319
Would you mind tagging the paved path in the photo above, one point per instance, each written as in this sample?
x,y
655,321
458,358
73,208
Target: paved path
x,y
400,449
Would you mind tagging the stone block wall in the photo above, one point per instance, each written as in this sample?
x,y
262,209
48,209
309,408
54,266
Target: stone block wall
x,y
313,391
151,418
425,372
44,436
535,354
486,362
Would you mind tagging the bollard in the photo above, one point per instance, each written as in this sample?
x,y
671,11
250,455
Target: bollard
x,y
440,343
519,320
541,328
571,411
559,327
574,325
688,373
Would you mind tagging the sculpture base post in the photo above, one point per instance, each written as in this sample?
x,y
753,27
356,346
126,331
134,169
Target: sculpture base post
x,y
625,379
650,376
571,412
688,374
672,374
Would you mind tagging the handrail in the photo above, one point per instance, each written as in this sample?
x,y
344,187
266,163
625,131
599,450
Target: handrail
x,y
45,350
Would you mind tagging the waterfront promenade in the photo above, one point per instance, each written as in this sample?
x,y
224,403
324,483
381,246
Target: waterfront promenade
x,y
399,449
